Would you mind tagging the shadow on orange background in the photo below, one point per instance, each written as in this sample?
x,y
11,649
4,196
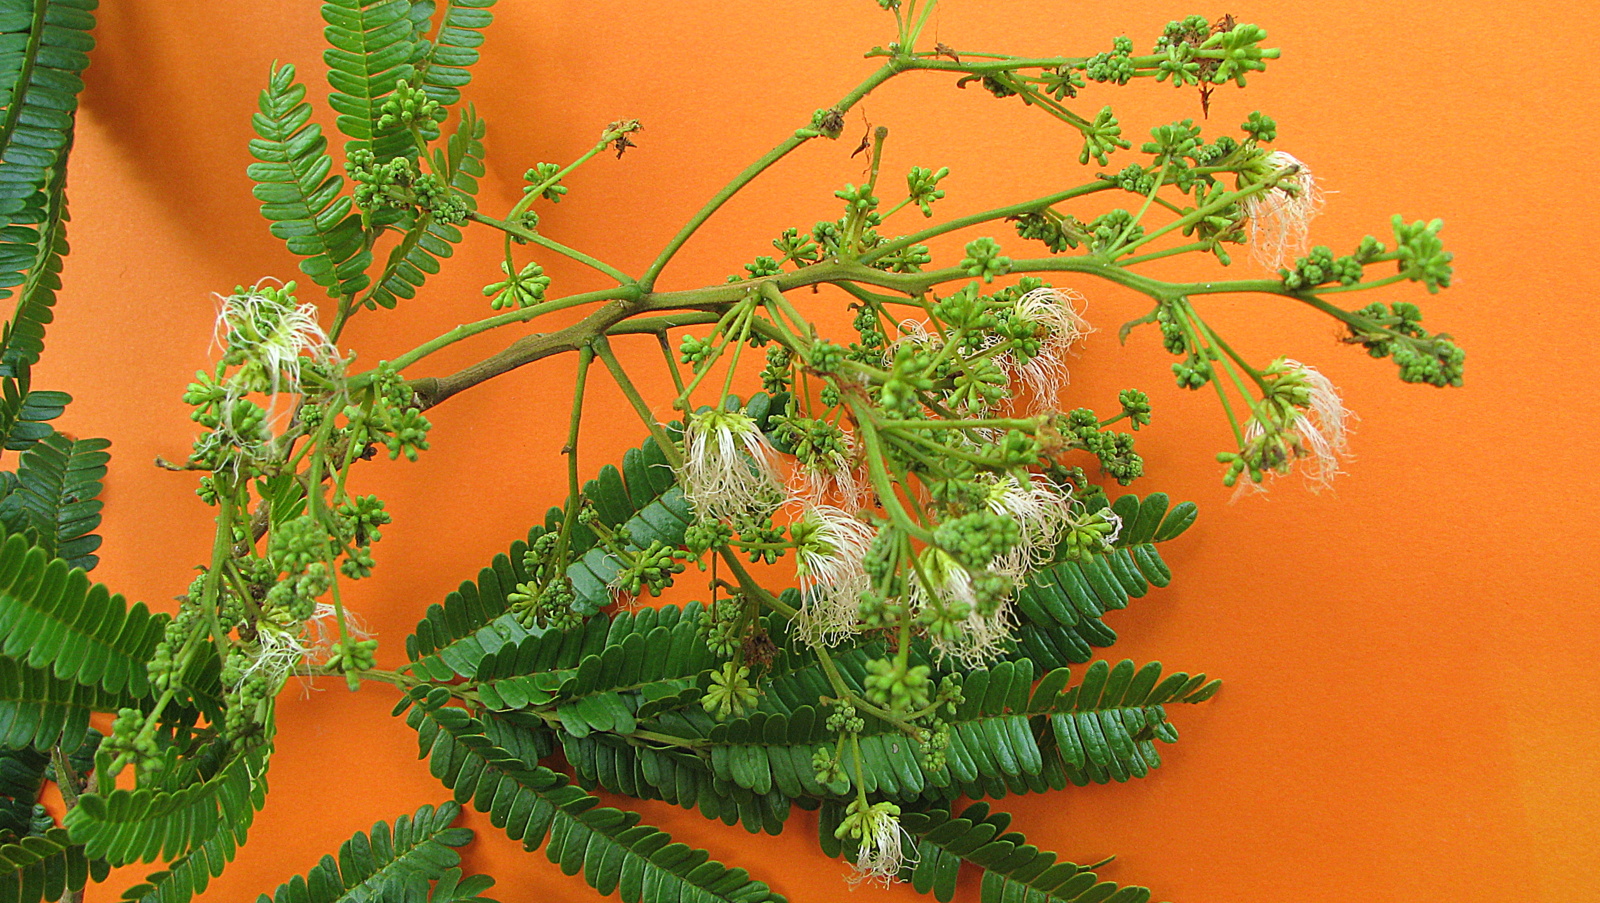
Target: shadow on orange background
x,y
1410,704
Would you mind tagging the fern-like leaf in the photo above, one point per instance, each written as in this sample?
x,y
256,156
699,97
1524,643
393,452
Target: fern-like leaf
x,y
398,863
425,241
443,71
476,620
1008,736
52,617
1013,869
189,876
38,709
25,413
298,193
21,779
37,252
44,47
533,804
646,654
374,46
1062,604
56,497
218,791
41,868
641,503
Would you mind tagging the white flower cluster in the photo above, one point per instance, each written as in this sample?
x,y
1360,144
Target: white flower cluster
x,y
1056,311
729,471
1280,218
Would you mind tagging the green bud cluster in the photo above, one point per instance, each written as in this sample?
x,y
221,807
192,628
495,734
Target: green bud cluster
x,y
922,187
1114,66
828,122
1061,82
542,178
764,540
1320,267
1396,331
1174,141
127,737
762,267
354,655
978,538
825,357
704,535
1135,406
845,720
984,260
731,693
827,767
776,376
1115,450
857,200
694,350
719,627
1048,227
524,288
909,259
395,419
1108,229
1190,30
396,185
1087,535
406,107
1422,255
801,250
651,569
900,688
1261,127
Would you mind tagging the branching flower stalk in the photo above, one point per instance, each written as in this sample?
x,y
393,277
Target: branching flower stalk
x,y
945,515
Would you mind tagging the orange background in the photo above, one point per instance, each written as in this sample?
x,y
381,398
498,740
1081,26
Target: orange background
x,y
1410,710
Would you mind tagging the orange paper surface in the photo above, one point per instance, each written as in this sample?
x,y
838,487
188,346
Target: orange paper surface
x,y
1410,703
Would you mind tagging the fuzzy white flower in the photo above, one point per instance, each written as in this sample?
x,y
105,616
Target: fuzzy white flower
x,y
1115,520
1043,511
284,647
915,332
729,471
1317,432
832,476
830,548
322,629
1280,218
881,851
978,637
278,653
265,328
1056,312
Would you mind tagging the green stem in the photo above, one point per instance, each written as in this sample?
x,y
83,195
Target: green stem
x,y
1169,252
749,584
749,174
672,362
585,356
962,222
640,406
1028,425
534,192
877,471
858,217
532,236
520,315
1202,212
922,21
1362,286
1161,177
